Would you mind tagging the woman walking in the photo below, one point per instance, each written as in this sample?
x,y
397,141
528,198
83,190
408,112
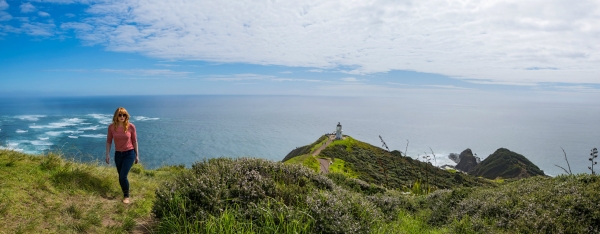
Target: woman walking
x,y
126,147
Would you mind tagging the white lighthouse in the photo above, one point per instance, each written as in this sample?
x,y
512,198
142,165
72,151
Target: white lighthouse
x,y
338,132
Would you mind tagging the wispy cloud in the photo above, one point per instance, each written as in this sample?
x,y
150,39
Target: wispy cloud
x,y
541,68
131,72
27,8
495,42
494,82
4,16
578,88
394,83
147,72
39,29
257,77
349,79
446,87
3,5
239,77
43,14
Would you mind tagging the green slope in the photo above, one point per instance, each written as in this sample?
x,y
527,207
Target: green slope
x,y
506,164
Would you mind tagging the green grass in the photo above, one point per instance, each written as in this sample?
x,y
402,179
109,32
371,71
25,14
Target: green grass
x,y
318,144
409,224
339,166
49,194
307,160
348,142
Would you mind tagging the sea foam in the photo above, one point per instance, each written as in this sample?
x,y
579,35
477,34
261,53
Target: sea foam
x,y
30,117
94,135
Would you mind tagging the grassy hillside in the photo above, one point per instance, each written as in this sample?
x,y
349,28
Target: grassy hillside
x,y
307,149
506,164
48,194
260,196
375,165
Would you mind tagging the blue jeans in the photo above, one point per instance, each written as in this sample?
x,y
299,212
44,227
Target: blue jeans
x,y
124,161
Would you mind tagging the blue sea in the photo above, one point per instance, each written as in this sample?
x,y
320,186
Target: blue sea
x,y
184,129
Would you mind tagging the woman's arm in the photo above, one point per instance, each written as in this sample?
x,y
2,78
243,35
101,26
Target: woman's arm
x,y
109,139
107,153
137,153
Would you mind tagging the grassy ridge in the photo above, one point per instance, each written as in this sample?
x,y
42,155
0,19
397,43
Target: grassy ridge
x,y
48,194
307,149
375,165
504,163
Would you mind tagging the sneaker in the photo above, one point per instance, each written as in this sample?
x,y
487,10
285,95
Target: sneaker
x,y
126,200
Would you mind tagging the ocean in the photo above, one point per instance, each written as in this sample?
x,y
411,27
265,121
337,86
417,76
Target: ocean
x,y
175,130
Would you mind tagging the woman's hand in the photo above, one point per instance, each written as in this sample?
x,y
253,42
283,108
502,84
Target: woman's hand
x,y
137,159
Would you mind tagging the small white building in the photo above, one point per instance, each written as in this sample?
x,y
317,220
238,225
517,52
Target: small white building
x,y
338,132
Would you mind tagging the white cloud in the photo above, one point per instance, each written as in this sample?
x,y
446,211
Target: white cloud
x,y
349,79
38,29
43,14
5,16
578,88
82,27
239,77
256,77
508,41
447,87
3,5
132,72
146,72
394,83
27,8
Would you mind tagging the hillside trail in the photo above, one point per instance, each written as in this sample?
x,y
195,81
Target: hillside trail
x,y
324,162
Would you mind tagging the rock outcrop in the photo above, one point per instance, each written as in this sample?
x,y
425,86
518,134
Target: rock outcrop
x,y
506,164
466,161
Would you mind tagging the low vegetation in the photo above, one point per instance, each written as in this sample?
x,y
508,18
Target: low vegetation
x,y
51,194
504,163
394,171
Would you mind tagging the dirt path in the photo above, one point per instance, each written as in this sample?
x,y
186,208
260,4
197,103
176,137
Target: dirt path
x,y
318,151
324,165
324,162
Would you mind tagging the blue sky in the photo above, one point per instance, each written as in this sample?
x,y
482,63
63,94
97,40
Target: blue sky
x,y
349,48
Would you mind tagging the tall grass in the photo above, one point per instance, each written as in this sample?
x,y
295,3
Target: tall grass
x,y
52,194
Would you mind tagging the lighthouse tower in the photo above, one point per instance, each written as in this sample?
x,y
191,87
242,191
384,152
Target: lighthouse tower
x,y
338,132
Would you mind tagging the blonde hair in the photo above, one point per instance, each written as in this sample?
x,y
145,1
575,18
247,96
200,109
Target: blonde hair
x,y
115,120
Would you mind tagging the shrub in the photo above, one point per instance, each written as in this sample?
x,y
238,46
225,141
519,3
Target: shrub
x,y
355,185
393,203
243,184
565,204
341,211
